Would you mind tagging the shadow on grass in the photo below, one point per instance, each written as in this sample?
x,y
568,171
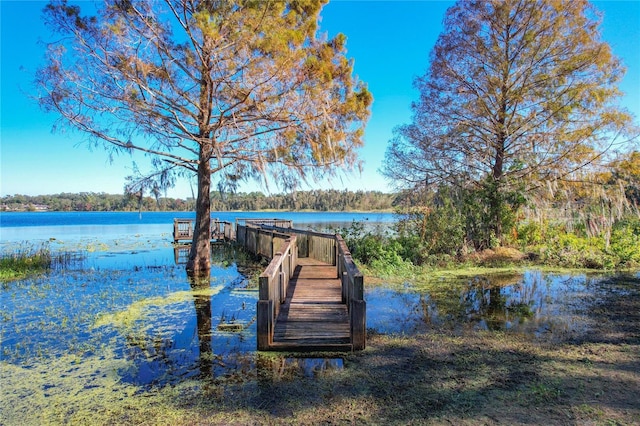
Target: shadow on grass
x,y
460,378
439,376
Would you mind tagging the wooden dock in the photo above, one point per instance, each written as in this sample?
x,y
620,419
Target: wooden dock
x,y
313,314
220,230
311,296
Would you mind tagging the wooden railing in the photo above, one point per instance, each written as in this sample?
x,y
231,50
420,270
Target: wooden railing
x,y
333,250
182,229
181,254
277,240
220,230
223,229
278,223
352,294
273,284
316,245
260,241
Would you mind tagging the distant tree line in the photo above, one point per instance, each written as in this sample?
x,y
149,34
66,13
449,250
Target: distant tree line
x,y
318,200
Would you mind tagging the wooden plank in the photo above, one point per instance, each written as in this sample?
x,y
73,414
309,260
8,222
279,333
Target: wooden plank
x,y
310,347
313,316
358,324
316,301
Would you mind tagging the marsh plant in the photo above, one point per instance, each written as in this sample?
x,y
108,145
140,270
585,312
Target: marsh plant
x,y
27,258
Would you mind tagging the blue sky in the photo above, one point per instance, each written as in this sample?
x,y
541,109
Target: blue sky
x,y
390,42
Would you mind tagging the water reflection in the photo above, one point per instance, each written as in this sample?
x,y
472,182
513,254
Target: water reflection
x,y
276,368
169,329
181,253
186,337
533,303
485,303
202,306
131,309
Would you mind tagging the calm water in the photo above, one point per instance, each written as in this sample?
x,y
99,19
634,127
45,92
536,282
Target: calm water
x,y
110,238
130,297
535,303
129,303
18,226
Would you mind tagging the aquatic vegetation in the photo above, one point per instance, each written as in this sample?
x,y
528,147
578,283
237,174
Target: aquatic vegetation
x,y
29,259
139,310
128,339
24,260
52,392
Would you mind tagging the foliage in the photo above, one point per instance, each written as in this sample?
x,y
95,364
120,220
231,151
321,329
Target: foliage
x,y
375,248
24,260
626,169
453,222
518,93
570,250
438,228
426,239
317,200
556,245
226,91
625,242
528,233
28,259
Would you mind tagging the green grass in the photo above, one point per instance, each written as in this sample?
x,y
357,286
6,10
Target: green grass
x,y
23,261
28,259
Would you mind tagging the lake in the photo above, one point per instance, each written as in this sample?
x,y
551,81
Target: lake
x,y
148,235
143,219
129,294
125,318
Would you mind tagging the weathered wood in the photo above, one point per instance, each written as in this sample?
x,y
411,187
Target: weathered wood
x,y
251,240
311,294
313,313
219,230
265,223
358,311
273,285
323,248
182,229
264,318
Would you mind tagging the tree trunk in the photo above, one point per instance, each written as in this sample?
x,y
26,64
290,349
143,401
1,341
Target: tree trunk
x,y
495,197
199,264
495,208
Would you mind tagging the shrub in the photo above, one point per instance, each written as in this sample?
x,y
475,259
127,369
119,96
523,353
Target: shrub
x,y
529,233
375,248
625,242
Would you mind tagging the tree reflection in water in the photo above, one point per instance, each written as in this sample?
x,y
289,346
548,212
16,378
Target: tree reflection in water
x,y
534,303
202,304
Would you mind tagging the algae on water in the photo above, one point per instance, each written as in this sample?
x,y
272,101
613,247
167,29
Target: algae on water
x,y
139,310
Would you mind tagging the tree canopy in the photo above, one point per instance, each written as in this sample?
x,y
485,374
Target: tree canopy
x,y
316,200
231,89
518,93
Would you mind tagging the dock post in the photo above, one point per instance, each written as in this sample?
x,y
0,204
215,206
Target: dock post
x,y
358,312
358,324
264,317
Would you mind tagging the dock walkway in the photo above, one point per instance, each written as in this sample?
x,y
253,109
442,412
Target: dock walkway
x,y
313,314
311,296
